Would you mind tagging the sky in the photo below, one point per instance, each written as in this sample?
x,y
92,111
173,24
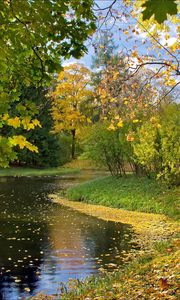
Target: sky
x,y
121,40
128,42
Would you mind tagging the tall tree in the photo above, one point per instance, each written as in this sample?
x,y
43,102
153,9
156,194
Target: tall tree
x,y
71,92
34,36
47,143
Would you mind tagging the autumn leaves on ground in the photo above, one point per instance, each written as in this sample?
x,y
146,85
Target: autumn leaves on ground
x,y
121,112
151,272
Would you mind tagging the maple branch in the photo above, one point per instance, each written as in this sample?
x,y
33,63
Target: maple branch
x,y
124,8
41,62
33,47
109,7
109,11
156,40
164,96
149,80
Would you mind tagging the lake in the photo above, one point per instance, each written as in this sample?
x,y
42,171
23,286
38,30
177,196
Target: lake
x,y
43,243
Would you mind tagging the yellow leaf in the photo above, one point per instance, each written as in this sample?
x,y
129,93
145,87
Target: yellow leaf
x,y
120,124
130,138
5,117
135,121
36,123
134,54
111,127
18,140
89,120
25,122
14,122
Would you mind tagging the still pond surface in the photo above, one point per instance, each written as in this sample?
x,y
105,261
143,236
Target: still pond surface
x,y
43,243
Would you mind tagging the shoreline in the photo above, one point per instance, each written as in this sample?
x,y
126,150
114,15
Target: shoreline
x,y
148,227
149,230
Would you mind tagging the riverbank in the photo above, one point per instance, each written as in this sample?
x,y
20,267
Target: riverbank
x,y
151,276
21,172
148,273
148,227
152,271
130,193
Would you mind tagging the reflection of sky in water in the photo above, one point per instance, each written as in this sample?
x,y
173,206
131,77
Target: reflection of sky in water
x,y
43,244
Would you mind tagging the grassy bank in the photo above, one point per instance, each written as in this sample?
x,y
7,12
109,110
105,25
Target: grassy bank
x,y
130,193
152,272
18,171
148,273
150,276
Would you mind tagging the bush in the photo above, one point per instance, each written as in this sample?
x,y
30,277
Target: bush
x,y
157,144
108,147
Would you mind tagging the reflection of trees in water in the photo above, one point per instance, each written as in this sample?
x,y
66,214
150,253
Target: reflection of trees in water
x,y
77,235
108,238
29,223
20,255
23,234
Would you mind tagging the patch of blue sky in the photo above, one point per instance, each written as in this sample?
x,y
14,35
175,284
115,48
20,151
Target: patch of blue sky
x,y
115,24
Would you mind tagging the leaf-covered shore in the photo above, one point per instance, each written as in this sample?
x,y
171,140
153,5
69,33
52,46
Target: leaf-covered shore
x,y
148,273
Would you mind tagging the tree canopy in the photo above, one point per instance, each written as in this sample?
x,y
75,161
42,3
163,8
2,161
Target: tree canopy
x,y
70,94
34,37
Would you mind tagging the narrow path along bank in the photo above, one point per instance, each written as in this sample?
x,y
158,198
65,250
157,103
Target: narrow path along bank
x,y
148,227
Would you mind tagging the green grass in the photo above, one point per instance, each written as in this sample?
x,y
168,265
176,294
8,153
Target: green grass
x,y
130,193
20,172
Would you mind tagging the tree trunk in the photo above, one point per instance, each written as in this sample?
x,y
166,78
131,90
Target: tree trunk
x,y
73,131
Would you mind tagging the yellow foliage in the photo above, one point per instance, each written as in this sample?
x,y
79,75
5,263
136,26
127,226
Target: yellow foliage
x,y
111,127
120,123
28,125
36,123
14,122
71,93
19,140
5,117
135,121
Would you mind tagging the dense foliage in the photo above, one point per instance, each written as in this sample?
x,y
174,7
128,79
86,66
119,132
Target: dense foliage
x,y
48,144
70,94
157,145
34,37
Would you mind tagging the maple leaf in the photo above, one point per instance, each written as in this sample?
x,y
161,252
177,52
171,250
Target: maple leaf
x,y
163,283
159,10
36,123
14,122
120,123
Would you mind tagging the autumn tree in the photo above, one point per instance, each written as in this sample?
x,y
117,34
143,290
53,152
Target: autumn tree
x,y
71,92
48,144
148,36
34,37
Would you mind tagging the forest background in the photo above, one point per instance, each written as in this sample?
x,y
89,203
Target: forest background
x,y
123,113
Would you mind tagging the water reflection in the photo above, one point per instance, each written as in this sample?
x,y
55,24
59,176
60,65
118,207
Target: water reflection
x,y
42,244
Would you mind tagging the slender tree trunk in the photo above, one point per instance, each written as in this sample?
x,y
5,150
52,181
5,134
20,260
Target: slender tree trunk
x,y
73,143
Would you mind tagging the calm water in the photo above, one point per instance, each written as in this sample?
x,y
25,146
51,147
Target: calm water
x,y
43,244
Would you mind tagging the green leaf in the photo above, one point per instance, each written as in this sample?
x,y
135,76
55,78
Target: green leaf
x,y
160,9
